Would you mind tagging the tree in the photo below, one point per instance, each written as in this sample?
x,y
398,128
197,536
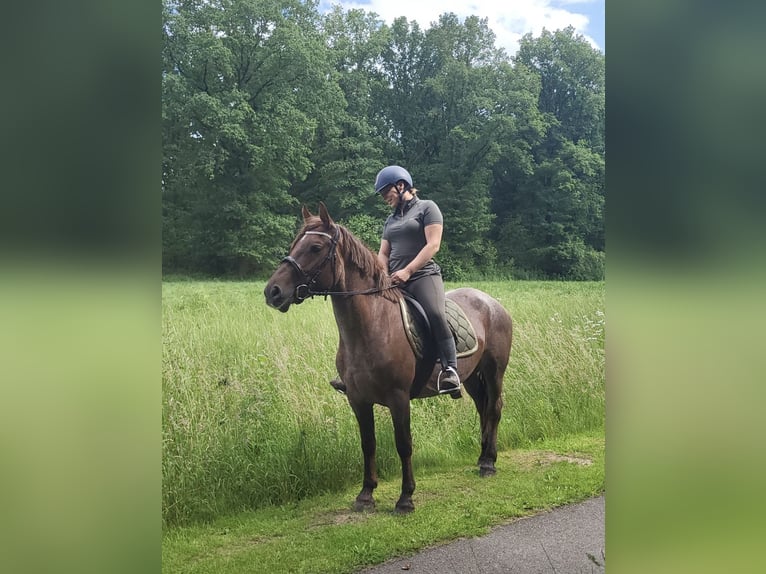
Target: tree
x,y
440,117
243,84
553,216
348,149
572,75
267,105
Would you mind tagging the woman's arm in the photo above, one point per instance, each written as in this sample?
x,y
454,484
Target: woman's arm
x,y
433,234
383,253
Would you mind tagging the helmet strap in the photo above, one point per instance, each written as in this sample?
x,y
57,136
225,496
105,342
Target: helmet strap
x,y
400,193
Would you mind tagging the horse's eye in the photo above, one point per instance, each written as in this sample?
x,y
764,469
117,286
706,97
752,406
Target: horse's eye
x,y
316,247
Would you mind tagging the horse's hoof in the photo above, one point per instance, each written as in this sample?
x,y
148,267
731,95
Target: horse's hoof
x,y
364,505
485,471
404,507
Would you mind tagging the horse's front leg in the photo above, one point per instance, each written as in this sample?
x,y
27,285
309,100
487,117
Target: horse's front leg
x,y
400,413
366,420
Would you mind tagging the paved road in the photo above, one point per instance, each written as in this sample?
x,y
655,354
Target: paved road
x,y
567,540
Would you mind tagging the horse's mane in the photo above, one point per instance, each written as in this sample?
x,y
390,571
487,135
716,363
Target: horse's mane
x,y
354,252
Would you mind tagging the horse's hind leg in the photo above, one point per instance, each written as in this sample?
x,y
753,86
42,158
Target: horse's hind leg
x,y
366,420
487,396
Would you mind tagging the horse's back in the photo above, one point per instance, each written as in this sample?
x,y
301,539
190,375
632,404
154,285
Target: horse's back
x,y
480,305
490,320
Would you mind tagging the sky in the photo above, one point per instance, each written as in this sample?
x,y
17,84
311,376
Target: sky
x,y
509,19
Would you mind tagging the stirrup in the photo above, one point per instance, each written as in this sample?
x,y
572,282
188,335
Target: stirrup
x,y
455,389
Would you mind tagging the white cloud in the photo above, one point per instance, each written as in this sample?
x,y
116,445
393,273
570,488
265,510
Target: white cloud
x,y
509,20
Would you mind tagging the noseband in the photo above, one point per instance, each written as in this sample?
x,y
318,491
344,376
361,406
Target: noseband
x,y
304,290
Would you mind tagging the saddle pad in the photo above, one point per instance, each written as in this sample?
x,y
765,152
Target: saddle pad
x,y
466,342
462,330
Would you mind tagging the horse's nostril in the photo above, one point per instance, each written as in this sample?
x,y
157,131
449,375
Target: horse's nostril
x,y
273,295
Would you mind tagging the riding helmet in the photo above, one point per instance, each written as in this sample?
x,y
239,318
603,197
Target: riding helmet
x,y
391,175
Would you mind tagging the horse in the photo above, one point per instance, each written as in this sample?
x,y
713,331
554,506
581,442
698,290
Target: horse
x,y
375,359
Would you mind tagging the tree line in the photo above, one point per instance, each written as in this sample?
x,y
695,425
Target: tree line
x,y
268,105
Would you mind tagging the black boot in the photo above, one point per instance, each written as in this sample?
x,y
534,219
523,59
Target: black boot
x,y
449,380
338,385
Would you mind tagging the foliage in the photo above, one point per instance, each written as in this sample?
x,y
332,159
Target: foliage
x,y
244,90
267,105
366,228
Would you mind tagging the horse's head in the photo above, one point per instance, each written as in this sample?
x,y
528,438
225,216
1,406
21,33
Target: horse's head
x,y
309,268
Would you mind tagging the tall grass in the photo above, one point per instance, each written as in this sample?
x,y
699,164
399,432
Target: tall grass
x,y
249,420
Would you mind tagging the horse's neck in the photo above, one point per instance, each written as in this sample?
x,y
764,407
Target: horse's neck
x,y
356,313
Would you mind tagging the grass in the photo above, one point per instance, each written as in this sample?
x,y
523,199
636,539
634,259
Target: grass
x,y
322,535
249,421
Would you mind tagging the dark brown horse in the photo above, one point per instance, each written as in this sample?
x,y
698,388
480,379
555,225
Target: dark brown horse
x,y
374,358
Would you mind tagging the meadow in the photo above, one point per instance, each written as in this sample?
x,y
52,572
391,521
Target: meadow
x,y
249,420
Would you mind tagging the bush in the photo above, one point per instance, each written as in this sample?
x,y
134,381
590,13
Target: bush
x,y
366,228
590,266
452,268
571,260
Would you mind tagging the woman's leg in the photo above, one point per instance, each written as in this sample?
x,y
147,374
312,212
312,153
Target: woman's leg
x,y
429,292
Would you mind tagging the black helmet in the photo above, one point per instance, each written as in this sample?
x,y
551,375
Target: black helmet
x,y
391,175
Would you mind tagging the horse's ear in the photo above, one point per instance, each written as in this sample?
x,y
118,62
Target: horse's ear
x,y
306,214
324,216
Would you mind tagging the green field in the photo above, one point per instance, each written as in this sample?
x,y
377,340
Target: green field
x,y
249,421
322,535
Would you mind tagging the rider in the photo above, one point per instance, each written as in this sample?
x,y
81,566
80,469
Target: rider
x,y
411,237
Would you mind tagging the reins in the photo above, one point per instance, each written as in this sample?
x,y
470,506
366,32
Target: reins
x,y
362,292
305,290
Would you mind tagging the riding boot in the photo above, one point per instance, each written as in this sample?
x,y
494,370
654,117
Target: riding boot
x,y
448,381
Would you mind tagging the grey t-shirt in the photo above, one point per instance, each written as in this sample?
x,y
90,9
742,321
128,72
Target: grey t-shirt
x,y
406,235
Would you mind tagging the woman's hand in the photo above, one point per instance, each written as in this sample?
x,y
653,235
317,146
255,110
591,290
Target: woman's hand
x,y
401,276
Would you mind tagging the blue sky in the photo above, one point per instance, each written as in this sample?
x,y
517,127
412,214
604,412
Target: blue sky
x,y
509,20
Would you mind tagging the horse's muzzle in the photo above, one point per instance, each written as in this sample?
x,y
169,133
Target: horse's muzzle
x,y
276,298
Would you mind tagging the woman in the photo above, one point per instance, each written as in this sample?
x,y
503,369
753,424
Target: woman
x,y
411,237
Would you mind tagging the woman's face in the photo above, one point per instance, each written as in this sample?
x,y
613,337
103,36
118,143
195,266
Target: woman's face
x,y
390,196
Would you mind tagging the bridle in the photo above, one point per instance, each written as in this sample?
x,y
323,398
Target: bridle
x,y
305,290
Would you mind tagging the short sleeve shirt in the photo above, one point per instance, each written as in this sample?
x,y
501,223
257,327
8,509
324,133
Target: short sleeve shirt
x,y
406,234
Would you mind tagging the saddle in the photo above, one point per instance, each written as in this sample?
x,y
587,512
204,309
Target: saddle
x,y
418,329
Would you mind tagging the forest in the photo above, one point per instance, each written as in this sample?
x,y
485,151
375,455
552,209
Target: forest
x,y
268,105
